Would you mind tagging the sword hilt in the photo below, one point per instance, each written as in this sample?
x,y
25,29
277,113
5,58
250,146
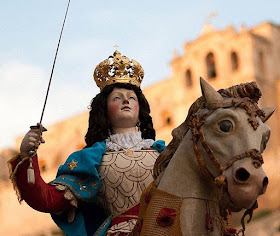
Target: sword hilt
x,y
41,129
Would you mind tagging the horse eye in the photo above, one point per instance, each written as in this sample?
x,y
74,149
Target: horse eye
x,y
225,126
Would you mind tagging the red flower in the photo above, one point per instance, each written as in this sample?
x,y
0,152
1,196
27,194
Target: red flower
x,y
166,217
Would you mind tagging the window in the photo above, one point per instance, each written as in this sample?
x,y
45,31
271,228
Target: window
x,y
234,61
167,119
189,78
210,63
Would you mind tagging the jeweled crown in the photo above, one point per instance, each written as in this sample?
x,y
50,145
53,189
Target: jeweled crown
x,y
118,69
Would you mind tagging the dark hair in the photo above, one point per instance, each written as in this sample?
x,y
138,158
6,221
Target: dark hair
x,y
99,124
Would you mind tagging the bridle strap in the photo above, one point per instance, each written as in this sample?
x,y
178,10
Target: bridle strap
x,y
201,163
253,154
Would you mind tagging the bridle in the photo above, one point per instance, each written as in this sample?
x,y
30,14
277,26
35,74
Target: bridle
x,y
196,122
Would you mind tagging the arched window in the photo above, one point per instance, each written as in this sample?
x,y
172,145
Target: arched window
x,y
167,119
189,78
211,68
234,61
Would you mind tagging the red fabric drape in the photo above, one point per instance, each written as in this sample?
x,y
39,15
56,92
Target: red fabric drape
x,y
40,196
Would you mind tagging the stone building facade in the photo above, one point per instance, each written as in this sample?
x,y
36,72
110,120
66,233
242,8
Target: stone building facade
x,y
222,57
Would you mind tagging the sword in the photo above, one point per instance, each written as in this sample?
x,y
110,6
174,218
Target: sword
x,y
30,170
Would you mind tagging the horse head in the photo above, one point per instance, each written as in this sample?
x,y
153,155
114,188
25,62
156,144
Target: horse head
x,y
233,135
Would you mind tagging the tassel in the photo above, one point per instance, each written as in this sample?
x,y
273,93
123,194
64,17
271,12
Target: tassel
x,y
30,173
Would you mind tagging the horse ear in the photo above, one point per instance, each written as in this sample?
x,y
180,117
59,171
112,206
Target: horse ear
x,y
268,111
212,97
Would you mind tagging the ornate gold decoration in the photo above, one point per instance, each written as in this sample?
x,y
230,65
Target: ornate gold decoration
x,y
72,164
118,69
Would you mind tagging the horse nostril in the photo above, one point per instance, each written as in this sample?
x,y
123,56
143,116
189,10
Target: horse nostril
x,y
265,183
242,175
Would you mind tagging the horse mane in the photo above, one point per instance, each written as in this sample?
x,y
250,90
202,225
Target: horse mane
x,y
243,90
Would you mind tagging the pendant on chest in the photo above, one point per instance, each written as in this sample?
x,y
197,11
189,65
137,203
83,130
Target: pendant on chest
x,y
129,152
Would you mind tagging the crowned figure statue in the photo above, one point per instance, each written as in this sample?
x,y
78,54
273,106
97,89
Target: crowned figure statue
x,y
97,190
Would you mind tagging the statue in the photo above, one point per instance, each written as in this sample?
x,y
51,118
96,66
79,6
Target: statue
x,y
102,183
212,167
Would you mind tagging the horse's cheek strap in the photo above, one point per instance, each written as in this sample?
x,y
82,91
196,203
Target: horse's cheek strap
x,y
201,163
209,152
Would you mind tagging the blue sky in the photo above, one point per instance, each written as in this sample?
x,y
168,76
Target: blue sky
x,y
148,31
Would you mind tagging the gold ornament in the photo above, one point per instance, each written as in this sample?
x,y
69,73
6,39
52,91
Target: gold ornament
x,y
129,152
118,69
72,165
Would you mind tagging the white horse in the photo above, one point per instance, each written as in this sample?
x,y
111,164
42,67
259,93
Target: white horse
x,y
212,166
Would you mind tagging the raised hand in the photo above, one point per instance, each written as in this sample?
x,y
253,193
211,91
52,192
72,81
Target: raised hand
x,y
32,140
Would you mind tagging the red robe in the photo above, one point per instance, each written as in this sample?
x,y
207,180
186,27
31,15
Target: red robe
x,y
40,196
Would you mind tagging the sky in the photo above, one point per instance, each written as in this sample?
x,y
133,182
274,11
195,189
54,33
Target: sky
x,y
147,31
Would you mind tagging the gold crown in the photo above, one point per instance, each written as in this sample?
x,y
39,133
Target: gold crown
x,y
118,69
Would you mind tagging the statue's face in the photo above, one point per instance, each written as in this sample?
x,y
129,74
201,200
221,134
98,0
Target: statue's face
x,y
123,108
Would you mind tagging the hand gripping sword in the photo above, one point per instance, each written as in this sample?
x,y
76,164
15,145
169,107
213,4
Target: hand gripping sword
x,y
30,170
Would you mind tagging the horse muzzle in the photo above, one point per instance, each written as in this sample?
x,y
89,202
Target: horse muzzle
x,y
246,181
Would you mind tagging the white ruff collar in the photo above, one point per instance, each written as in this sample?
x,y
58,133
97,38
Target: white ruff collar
x,y
132,141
